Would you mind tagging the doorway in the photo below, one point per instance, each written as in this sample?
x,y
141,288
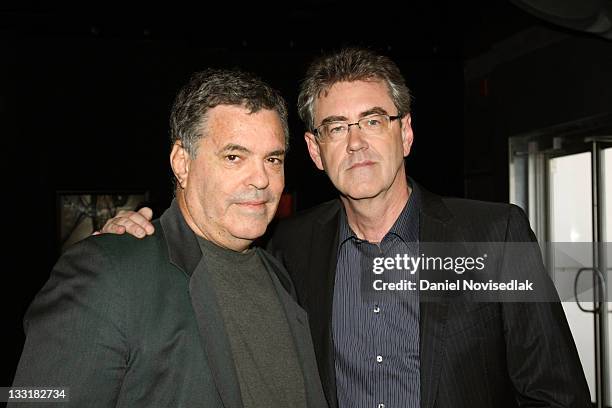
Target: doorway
x,y
564,184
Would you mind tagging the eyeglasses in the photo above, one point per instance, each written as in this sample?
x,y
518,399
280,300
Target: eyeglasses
x,y
372,125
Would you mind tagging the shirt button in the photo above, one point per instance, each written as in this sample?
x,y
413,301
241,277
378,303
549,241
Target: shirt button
x,y
379,359
376,309
381,406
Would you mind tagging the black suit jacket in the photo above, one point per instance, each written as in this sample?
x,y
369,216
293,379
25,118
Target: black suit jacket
x,y
134,323
472,354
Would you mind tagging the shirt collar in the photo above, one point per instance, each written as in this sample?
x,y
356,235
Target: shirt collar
x,y
406,226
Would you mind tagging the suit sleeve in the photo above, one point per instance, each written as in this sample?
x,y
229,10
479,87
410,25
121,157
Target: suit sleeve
x,y
543,362
75,331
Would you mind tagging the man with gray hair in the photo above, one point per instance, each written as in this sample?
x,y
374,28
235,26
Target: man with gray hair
x,y
390,351
192,316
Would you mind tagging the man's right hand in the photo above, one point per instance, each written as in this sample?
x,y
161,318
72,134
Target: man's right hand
x,y
136,223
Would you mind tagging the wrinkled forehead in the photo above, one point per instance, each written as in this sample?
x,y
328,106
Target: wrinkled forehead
x,y
239,125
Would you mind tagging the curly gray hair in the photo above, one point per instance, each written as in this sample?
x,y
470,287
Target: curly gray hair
x,y
212,87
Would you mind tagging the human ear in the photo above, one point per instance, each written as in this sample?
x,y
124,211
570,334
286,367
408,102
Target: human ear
x,y
314,149
180,162
407,134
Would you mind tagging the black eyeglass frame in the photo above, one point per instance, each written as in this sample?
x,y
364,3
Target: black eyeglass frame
x,y
317,134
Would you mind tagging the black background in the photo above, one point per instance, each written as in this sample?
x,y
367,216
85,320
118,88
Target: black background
x,y
85,96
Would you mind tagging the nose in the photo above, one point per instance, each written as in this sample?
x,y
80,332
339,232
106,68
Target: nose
x,y
258,176
355,140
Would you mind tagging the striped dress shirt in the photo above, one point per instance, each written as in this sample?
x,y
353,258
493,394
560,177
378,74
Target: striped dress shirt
x,y
376,333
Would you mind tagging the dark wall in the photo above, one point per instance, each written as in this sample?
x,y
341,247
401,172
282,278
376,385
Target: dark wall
x,y
89,112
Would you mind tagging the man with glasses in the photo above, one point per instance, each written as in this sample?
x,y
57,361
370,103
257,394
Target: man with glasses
x,y
399,351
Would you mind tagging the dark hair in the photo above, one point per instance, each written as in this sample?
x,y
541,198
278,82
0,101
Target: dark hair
x,y
347,65
212,87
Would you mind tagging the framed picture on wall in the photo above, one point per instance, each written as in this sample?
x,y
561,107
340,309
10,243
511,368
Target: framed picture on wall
x,y
80,213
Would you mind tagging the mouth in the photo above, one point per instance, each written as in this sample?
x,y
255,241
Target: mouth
x,y
252,204
364,163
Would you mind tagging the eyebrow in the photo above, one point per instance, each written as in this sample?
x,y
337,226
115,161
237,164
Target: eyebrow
x,y
231,147
376,110
280,152
331,119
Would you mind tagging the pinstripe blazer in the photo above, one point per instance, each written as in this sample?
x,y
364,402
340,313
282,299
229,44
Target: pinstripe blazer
x,y
471,354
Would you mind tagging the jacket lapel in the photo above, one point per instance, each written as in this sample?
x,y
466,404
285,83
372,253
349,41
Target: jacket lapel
x,y
434,227
184,252
432,325
212,331
319,283
297,320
